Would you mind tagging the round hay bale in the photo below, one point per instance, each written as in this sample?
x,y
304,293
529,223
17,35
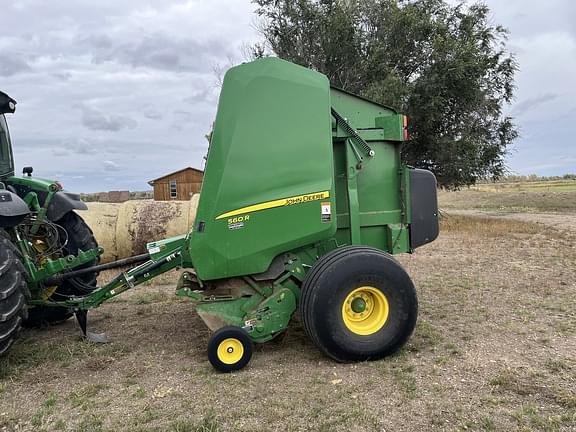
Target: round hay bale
x,y
124,229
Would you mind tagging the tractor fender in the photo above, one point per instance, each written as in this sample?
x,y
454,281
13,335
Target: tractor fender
x,y
62,203
12,209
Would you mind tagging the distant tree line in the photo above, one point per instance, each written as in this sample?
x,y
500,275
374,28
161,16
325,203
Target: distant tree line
x,y
535,178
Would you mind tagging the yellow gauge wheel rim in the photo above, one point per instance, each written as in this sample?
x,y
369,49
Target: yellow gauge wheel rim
x,y
230,351
365,310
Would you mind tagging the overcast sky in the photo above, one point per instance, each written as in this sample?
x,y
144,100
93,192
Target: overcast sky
x,y
114,93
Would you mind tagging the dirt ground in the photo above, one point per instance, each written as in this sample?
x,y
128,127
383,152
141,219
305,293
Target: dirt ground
x,y
494,350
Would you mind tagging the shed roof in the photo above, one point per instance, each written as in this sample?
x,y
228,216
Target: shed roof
x,y
151,182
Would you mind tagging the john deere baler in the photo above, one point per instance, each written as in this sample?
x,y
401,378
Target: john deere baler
x,y
304,202
304,199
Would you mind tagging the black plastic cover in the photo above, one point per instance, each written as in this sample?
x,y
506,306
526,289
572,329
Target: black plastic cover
x,y
13,209
424,202
7,104
62,203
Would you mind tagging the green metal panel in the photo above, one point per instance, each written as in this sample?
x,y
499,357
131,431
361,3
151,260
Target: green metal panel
x,y
269,170
34,183
359,112
379,179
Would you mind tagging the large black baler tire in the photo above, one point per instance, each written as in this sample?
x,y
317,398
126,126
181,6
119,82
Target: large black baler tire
x,y
13,293
330,285
80,237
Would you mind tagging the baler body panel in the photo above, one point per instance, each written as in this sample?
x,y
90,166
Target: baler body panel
x,y
382,204
379,196
269,171
360,113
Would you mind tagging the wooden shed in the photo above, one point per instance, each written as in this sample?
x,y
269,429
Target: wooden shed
x,y
179,185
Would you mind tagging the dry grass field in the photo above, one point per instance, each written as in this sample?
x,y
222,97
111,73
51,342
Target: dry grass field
x,y
494,349
537,196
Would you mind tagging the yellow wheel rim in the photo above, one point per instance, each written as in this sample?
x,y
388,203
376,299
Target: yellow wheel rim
x,y
230,351
365,310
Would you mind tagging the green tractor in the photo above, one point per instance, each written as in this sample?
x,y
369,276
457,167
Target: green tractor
x,y
304,202
39,232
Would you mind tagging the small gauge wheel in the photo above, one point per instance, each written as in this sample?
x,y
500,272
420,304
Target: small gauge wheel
x,y
229,349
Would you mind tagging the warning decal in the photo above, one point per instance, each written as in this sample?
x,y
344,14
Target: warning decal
x,y
326,212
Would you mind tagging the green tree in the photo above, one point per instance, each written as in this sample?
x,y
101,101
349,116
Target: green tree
x,y
445,66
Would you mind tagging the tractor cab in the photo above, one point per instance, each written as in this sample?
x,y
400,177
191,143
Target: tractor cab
x,y
7,105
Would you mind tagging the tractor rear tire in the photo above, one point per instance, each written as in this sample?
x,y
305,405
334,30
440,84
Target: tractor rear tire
x,y
80,237
357,303
13,293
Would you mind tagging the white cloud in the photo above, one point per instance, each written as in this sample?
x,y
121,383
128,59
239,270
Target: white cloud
x,y
109,166
129,82
95,119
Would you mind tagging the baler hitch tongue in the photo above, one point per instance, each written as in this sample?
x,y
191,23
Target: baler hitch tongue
x,y
123,282
82,318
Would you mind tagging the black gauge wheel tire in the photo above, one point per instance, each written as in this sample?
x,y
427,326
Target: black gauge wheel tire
x,y
230,349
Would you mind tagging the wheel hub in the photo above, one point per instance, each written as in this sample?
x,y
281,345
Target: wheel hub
x,y
230,351
365,310
358,305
